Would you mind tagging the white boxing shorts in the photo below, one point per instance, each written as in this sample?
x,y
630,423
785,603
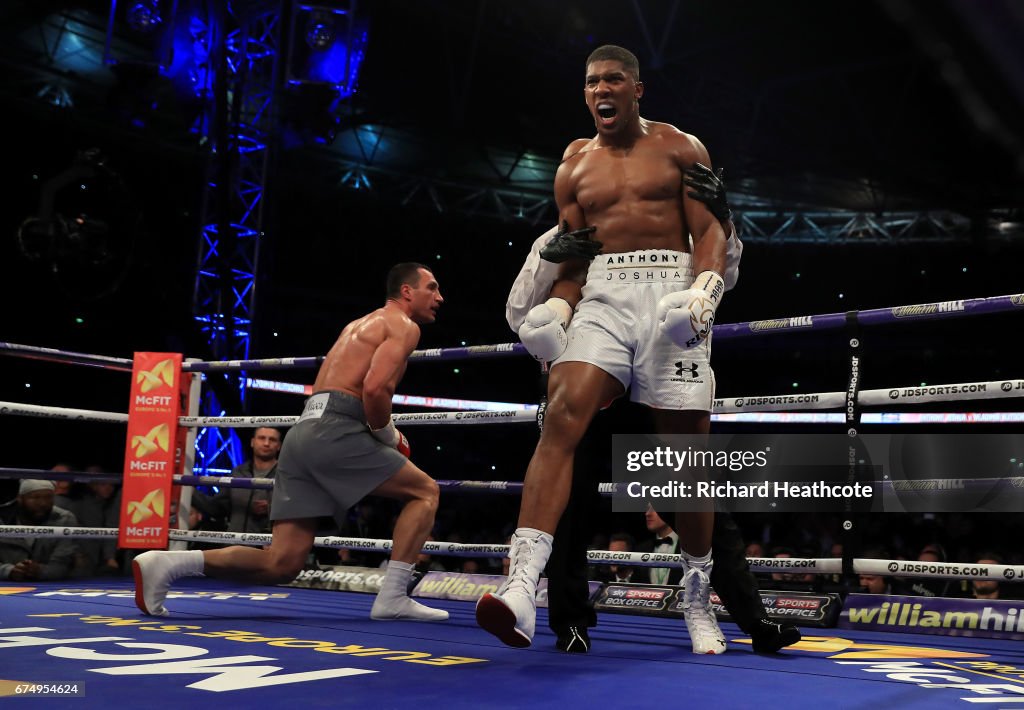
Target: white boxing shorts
x,y
616,329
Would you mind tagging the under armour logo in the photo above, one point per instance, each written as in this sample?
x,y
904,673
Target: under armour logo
x,y
692,369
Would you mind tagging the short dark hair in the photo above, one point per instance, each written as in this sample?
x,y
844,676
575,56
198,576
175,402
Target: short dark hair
x,y
613,52
623,537
272,428
989,555
408,272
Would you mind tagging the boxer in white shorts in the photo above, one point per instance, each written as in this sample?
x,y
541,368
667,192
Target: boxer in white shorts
x,y
616,329
625,185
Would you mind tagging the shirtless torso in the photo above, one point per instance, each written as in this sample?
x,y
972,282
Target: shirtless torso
x,y
634,195
370,356
347,363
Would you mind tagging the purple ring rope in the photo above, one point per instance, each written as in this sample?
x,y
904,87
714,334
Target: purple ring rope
x,y
727,331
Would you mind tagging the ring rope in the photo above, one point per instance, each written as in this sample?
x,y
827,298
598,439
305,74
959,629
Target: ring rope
x,y
902,568
606,489
725,331
417,419
992,389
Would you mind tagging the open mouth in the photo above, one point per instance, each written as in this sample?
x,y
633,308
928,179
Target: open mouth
x,y
606,111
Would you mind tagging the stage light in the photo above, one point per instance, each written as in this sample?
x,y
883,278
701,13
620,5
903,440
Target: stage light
x,y
319,35
144,16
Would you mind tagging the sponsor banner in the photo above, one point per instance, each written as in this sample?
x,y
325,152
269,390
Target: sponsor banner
x,y
470,587
927,309
989,618
151,450
638,599
991,389
813,610
817,610
780,402
113,593
341,579
465,417
463,587
794,323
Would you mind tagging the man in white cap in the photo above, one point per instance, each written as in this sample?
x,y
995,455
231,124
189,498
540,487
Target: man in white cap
x,y
30,558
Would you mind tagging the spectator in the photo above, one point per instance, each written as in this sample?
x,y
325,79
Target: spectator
x,y
30,558
790,579
665,542
925,587
99,507
874,583
619,542
984,588
248,509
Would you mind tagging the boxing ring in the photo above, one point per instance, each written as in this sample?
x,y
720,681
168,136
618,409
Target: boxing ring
x,y
251,644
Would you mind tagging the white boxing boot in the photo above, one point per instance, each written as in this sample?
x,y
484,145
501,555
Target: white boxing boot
x,y
705,636
511,612
155,570
393,600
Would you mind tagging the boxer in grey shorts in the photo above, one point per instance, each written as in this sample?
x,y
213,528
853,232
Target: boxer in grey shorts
x,y
330,461
344,446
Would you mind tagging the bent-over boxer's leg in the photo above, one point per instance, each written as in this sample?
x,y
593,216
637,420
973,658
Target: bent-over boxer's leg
x,y
694,528
420,494
154,571
576,390
281,562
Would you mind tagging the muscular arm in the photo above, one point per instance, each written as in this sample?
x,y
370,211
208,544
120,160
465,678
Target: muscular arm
x,y
386,368
573,273
708,235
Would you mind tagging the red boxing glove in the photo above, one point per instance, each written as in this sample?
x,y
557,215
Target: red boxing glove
x,y
390,436
403,445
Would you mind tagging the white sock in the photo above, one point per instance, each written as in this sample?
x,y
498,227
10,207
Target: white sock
x,y
393,600
396,580
703,563
534,533
185,563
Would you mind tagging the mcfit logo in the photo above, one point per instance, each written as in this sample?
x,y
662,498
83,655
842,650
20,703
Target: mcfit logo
x,y
151,504
161,374
157,438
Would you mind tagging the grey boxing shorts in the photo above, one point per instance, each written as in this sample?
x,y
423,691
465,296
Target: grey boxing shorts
x,y
329,460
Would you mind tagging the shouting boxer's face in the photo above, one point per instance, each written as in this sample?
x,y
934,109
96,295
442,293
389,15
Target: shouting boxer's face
x,y
611,93
425,298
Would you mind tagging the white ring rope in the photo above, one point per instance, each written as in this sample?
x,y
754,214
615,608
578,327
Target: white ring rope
x,y
416,419
993,389
789,565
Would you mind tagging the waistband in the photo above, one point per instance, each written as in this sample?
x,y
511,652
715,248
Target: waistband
x,y
644,266
334,402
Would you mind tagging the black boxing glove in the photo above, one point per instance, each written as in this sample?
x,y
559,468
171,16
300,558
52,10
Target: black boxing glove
x,y
709,189
567,245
